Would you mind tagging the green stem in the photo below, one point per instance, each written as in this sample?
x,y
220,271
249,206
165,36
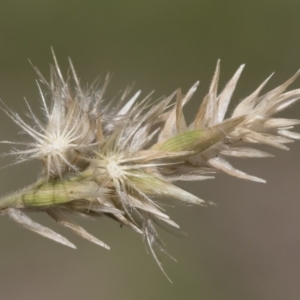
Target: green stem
x,y
44,194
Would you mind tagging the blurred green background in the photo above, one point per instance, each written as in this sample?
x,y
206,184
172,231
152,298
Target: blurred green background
x,y
248,246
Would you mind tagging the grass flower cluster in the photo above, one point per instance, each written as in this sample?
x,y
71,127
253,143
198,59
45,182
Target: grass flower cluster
x,y
121,158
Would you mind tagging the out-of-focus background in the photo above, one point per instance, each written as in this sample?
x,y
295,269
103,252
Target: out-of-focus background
x,y
246,247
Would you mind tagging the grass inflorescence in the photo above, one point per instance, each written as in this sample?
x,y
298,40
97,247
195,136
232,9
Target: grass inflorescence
x,y
121,159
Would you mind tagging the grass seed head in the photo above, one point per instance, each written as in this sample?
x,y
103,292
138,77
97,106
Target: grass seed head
x,y
122,159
